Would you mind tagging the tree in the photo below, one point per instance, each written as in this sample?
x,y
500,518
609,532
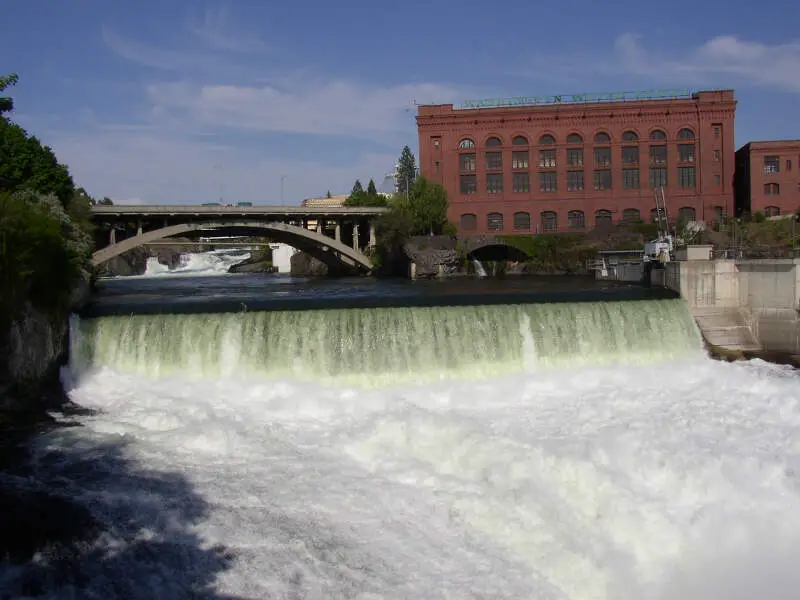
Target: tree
x,y
406,171
328,194
357,188
371,189
427,203
7,81
27,164
359,197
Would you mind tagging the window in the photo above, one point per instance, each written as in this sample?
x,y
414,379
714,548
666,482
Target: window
x,y
602,180
437,166
467,162
522,221
602,218
630,179
494,141
436,141
519,140
547,182
658,135
469,184
719,213
549,221
772,189
654,214
494,183
602,157
602,138
574,181
547,158
716,155
631,215
519,160
658,177
574,138
686,153
788,164
717,129
686,177
686,134
547,140
772,211
772,164
469,222
521,182
466,143
630,155
575,157
658,155
575,219
494,221
630,136
494,160
687,213
718,180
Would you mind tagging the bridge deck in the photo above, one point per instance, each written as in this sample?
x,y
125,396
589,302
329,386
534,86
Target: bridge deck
x,y
143,210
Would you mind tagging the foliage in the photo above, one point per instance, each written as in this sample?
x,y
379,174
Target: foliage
x,y
27,164
7,81
427,204
406,171
370,197
42,252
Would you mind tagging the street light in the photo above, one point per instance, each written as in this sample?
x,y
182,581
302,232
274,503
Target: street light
x,y
282,179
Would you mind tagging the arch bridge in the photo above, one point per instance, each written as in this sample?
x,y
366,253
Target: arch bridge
x,y
337,236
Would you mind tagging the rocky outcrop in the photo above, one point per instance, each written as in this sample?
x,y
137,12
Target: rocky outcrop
x,y
134,261
305,265
253,265
434,256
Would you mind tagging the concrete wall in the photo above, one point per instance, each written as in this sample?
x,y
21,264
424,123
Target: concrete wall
x,y
766,293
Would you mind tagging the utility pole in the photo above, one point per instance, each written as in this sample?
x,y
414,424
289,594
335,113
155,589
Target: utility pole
x,y
283,177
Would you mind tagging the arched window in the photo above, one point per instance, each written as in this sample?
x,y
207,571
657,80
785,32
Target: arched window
x,y
494,221
549,221
687,213
772,211
772,189
547,140
519,140
576,219
602,218
631,215
466,143
686,134
469,222
658,135
601,137
494,141
630,136
574,138
522,221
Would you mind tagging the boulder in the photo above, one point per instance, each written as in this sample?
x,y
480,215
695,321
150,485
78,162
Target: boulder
x,y
434,256
305,265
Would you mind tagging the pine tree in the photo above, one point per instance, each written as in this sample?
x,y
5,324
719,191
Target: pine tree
x,y
357,188
406,171
328,194
371,189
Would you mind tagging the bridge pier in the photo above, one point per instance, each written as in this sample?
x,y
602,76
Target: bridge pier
x,y
372,239
355,236
338,232
112,236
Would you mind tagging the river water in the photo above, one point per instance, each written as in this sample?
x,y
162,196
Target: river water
x,y
556,451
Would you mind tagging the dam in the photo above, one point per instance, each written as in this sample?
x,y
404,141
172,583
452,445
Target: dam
x,y
263,437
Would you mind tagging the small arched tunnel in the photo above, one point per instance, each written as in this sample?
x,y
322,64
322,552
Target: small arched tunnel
x,y
339,258
498,252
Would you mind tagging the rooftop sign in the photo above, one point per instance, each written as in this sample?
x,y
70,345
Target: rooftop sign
x,y
577,99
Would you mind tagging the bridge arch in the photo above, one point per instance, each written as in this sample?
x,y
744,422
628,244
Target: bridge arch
x,y
488,247
333,253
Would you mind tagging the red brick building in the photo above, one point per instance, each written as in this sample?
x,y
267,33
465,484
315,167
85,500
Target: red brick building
x,y
767,177
573,162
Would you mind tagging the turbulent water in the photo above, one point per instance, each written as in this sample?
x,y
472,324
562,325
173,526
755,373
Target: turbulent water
x,y
213,262
570,452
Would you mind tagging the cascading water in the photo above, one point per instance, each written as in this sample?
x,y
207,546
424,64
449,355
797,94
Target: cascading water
x,y
383,345
214,262
585,451
479,270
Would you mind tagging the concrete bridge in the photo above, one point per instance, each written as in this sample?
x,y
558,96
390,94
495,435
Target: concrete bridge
x,y
337,236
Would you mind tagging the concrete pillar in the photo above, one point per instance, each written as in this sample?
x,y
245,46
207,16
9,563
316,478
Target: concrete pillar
x,y
338,234
355,236
139,228
320,228
112,237
372,239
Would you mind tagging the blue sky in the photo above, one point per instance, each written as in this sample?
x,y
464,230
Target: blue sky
x,y
180,101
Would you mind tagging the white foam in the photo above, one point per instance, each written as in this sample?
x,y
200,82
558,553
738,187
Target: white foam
x,y
213,262
670,481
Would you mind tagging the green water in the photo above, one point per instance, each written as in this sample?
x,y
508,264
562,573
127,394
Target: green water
x,y
384,345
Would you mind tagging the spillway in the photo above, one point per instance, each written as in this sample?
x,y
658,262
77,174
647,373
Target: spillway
x,y
566,451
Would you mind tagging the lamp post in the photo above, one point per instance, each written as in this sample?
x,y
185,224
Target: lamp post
x,y
283,177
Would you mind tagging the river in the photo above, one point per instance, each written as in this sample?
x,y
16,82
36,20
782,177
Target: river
x,y
505,448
